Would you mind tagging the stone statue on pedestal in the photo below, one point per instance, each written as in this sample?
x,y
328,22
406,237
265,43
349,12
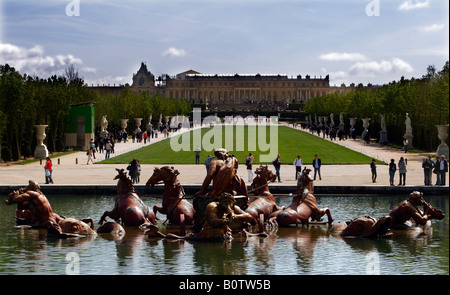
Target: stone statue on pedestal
x,y
408,134
383,132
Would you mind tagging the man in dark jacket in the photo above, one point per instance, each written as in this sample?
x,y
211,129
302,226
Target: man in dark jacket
x,y
443,168
316,164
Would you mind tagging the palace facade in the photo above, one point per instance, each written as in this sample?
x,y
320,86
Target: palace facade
x,y
227,92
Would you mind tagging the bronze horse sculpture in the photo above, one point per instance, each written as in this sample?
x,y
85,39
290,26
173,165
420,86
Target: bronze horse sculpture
x,y
303,206
407,215
363,227
222,174
263,204
222,219
71,227
174,205
33,207
128,207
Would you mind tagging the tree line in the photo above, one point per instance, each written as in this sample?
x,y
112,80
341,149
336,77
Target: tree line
x,y
27,100
425,99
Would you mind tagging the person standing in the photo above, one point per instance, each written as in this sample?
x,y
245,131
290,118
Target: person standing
x,y
443,168
277,164
135,170
392,169
145,137
298,166
197,151
108,149
48,171
437,167
317,163
373,168
402,171
249,163
427,168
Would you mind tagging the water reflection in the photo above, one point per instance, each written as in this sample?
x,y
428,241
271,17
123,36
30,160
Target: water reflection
x,y
296,250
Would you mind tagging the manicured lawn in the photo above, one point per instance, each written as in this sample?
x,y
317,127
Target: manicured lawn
x,y
291,143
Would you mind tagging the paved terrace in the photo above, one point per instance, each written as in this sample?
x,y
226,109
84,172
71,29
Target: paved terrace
x,y
73,175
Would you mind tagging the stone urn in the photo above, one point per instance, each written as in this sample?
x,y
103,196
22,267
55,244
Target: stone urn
x,y
123,124
138,121
443,135
352,122
366,123
41,151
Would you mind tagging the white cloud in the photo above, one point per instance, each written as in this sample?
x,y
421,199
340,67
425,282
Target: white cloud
x,y
383,67
174,52
414,4
334,56
431,29
33,61
108,81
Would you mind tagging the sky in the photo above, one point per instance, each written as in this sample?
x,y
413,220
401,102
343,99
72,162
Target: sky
x,y
353,41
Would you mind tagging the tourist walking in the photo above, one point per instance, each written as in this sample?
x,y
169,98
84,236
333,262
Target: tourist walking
x,y
392,169
277,164
443,169
249,163
405,145
373,168
48,171
298,165
402,171
89,153
317,163
427,166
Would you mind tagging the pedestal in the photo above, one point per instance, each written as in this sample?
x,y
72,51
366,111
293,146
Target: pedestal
x,y
443,135
123,124
383,137
137,121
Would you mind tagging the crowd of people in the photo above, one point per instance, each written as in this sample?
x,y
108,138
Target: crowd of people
x,y
105,144
439,167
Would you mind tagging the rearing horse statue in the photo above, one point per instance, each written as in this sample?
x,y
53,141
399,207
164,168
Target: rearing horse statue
x,y
178,210
263,204
128,206
303,206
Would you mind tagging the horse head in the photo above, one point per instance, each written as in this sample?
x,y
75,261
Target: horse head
x,y
124,184
263,176
12,197
305,182
165,174
433,212
267,174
